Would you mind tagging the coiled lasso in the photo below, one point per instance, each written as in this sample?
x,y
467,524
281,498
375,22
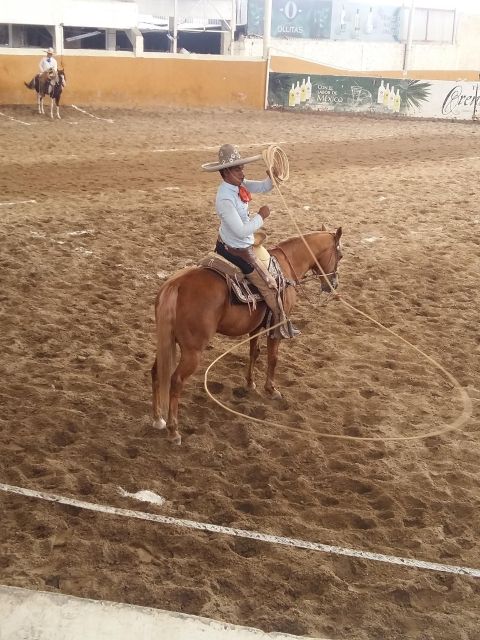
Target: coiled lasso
x,y
276,161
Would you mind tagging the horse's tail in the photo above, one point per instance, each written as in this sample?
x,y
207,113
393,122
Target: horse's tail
x,y
165,315
31,84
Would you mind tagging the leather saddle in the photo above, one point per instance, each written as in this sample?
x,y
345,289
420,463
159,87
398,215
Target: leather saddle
x,y
240,289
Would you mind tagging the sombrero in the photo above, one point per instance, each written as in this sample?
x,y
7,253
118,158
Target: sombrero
x,y
228,156
49,50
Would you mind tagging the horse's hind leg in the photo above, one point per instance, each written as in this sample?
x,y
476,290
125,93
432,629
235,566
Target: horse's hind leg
x,y
272,357
254,353
158,421
189,361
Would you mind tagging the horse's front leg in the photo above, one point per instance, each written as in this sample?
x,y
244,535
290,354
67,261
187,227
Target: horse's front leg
x,y
39,103
254,353
272,357
189,361
51,108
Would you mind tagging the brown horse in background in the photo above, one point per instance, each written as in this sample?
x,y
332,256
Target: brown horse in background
x,y
194,304
48,83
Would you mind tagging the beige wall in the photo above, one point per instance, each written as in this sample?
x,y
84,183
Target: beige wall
x,y
121,81
188,82
284,64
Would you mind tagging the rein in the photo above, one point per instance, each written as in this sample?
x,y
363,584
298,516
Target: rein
x,y
299,281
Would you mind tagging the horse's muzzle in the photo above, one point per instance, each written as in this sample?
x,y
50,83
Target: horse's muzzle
x,y
333,280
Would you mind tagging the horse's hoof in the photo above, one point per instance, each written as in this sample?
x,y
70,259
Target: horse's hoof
x,y
159,423
176,439
275,394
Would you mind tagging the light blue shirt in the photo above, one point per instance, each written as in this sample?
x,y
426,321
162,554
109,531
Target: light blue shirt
x,y
236,226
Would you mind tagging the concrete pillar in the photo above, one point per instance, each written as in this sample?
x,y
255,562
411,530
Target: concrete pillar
x,y
226,43
267,28
111,39
58,39
136,38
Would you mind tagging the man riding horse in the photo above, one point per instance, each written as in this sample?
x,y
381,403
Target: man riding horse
x,y
48,72
48,61
236,233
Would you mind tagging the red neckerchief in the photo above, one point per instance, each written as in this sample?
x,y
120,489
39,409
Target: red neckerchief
x,y
244,194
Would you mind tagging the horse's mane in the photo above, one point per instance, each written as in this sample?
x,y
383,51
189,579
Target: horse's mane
x,y
298,239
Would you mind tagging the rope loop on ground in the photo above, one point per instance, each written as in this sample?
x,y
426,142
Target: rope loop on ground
x,y
276,161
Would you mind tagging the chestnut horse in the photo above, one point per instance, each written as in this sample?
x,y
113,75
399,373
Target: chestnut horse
x,y
193,305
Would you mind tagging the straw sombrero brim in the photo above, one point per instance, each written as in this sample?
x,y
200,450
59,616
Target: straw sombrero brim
x,y
215,166
259,237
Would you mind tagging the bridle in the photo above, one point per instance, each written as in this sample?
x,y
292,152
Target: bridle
x,y
336,254
316,273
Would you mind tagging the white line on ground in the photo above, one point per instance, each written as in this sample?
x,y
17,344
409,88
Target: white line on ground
x,y
5,204
242,533
91,114
28,124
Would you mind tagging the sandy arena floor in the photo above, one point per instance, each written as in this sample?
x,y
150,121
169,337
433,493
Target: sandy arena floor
x,y
120,204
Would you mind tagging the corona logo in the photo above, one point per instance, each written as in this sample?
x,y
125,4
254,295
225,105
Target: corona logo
x,y
290,10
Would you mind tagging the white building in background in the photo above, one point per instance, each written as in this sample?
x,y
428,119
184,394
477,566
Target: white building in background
x,y
131,26
348,34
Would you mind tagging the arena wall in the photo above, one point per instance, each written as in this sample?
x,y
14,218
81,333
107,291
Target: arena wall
x,y
143,82
201,81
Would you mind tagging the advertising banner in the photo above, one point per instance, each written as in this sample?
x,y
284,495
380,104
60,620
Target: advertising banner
x,y
355,21
414,98
292,18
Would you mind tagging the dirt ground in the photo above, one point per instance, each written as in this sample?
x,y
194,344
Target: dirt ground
x,y
121,203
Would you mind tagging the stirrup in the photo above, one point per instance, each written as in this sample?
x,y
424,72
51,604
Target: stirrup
x,y
288,330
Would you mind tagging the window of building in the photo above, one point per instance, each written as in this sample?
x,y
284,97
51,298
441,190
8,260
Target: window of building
x,y
156,41
27,35
430,25
440,25
4,41
84,38
123,42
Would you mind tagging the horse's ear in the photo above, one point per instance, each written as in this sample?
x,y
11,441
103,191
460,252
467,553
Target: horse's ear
x,y
338,233
324,228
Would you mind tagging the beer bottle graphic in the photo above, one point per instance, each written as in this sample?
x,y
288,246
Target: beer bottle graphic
x,y
308,88
303,92
291,96
343,20
397,102
391,99
356,25
381,93
386,95
369,25
298,93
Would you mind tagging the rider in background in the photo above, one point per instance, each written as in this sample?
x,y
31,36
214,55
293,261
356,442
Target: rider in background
x,y
48,61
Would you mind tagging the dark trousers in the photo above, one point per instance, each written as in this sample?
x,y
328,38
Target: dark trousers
x,y
222,249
